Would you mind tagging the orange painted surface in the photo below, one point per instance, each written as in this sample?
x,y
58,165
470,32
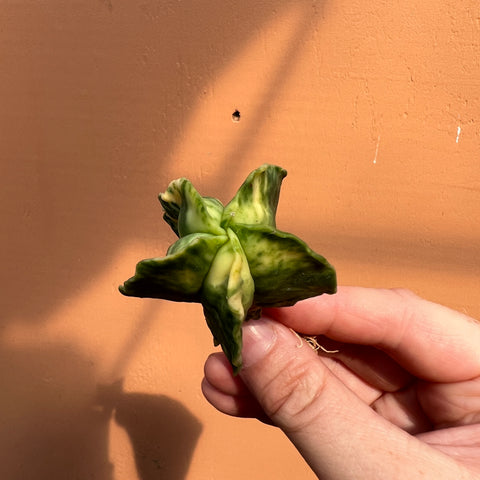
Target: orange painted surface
x,y
374,110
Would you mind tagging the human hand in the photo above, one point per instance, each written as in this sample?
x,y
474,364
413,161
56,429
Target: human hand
x,y
400,399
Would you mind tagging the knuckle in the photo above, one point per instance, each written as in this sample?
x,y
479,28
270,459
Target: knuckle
x,y
293,395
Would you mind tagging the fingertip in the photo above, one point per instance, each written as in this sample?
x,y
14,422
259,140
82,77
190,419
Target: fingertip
x,y
227,393
224,403
219,374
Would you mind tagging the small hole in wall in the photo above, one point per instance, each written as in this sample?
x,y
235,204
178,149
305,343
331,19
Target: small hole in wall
x,y
236,116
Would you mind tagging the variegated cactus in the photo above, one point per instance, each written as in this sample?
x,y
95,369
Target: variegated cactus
x,y
231,259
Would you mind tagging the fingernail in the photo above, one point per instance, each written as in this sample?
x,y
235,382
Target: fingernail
x,y
259,336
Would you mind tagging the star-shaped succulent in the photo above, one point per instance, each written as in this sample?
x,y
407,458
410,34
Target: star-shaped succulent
x,y
231,259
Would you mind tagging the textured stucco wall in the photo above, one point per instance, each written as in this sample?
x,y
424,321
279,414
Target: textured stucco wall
x,y
373,108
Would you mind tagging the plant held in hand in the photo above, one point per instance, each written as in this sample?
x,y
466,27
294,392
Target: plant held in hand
x,y
231,259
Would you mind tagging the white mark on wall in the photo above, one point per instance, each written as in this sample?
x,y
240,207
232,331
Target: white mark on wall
x,y
459,129
376,150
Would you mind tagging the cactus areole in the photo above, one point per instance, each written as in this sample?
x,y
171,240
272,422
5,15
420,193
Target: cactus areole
x,y
231,259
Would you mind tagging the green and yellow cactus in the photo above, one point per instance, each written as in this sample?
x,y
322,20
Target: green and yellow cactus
x,y
231,259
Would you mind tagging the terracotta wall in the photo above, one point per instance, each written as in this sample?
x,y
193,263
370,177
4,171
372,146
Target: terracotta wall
x,y
372,107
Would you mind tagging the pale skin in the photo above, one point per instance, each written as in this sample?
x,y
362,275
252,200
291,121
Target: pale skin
x,y
399,400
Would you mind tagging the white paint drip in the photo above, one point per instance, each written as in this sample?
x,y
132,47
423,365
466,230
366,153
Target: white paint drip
x,y
459,129
376,150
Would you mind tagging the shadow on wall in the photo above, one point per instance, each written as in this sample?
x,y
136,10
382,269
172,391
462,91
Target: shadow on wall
x,y
55,422
49,426
94,96
163,432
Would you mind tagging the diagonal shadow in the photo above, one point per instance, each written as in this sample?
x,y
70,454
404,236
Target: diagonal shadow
x,y
91,108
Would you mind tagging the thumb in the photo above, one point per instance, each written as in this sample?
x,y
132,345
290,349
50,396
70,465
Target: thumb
x,y
337,434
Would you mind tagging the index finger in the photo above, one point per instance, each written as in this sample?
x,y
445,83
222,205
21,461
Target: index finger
x,y
429,340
